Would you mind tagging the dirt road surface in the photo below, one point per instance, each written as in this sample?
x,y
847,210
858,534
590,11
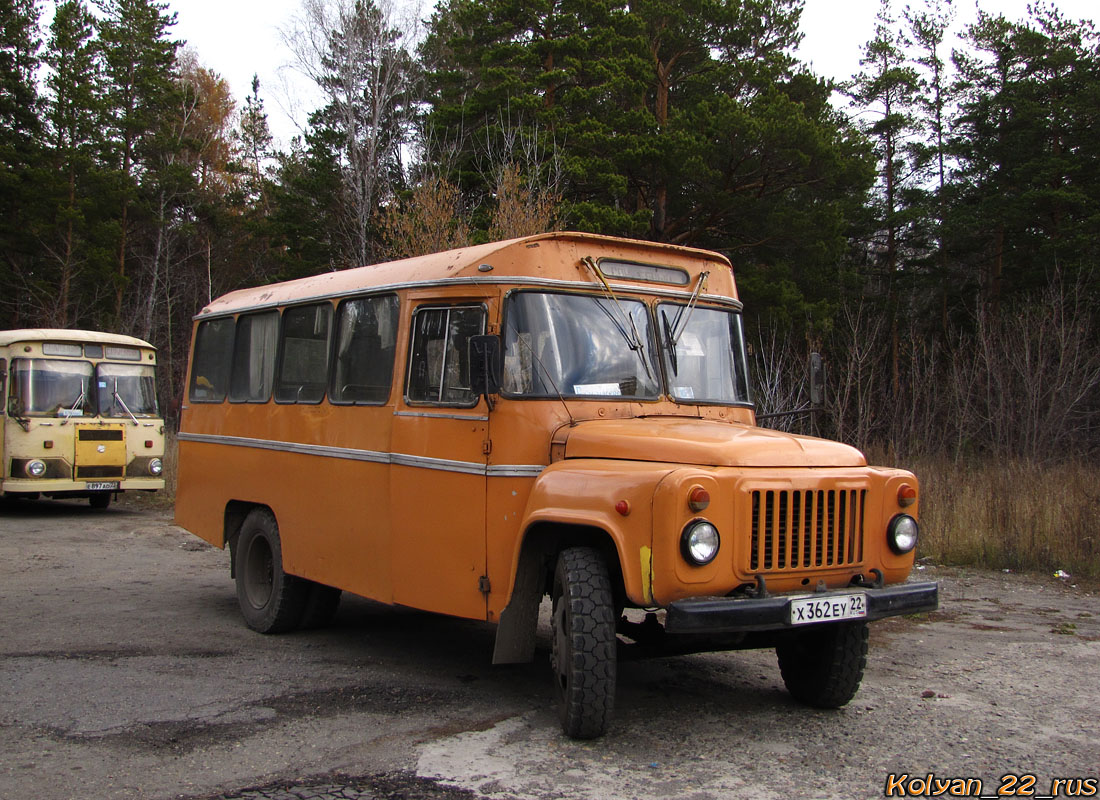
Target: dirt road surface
x,y
126,672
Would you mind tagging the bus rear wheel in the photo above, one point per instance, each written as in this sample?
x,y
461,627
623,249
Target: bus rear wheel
x,y
271,601
822,666
583,644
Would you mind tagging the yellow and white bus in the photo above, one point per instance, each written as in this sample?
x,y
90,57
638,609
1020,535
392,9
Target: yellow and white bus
x,y
80,415
563,414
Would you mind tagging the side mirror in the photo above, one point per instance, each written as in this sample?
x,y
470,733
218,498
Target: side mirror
x,y
485,365
817,380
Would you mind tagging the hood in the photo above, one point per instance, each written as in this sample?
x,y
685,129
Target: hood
x,y
683,440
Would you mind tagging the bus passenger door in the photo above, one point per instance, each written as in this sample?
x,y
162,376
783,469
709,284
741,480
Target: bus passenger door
x,y
438,471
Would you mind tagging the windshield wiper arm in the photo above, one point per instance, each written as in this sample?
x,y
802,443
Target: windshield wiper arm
x,y
634,343
678,328
670,342
72,409
121,402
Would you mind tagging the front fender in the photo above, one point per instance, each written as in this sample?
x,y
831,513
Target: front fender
x,y
584,493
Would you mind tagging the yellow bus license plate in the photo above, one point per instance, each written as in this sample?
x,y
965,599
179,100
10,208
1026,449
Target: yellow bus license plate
x,y
111,486
806,610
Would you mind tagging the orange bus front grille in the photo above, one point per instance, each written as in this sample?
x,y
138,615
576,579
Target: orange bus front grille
x,y
804,529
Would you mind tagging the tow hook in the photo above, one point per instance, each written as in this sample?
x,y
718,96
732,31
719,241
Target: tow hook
x,y
878,582
761,586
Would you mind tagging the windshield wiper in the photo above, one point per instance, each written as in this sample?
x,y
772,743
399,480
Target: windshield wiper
x,y
72,409
121,402
670,342
633,339
678,328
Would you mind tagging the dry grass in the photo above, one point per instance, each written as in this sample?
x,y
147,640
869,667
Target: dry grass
x,y
1015,514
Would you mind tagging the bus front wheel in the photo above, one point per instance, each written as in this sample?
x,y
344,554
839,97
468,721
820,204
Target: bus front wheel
x,y
271,601
583,644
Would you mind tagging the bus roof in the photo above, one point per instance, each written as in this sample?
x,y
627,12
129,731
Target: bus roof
x,y
68,335
508,259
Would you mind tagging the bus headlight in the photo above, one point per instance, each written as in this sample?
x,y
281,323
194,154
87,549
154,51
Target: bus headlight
x,y
699,542
901,534
35,468
156,466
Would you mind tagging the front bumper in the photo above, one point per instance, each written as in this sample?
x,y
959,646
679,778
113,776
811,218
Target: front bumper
x,y
734,615
51,486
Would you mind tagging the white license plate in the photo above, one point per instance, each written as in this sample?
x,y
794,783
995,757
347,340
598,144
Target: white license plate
x,y
805,610
102,486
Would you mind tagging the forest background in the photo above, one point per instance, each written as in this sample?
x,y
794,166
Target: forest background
x,y
935,235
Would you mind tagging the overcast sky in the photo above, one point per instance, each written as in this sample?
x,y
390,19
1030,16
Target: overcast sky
x,y
237,38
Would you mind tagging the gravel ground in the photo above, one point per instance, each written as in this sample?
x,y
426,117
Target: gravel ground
x,y
125,671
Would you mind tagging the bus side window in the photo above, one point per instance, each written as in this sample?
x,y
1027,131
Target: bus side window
x,y
3,387
366,332
254,357
303,354
210,370
439,368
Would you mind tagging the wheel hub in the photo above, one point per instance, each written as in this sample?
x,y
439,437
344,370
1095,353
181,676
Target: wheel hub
x,y
259,573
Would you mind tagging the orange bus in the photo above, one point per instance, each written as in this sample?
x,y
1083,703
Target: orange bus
x,y
79,415
563,414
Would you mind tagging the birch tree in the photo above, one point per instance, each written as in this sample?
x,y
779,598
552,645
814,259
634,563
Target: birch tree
x,y
357,54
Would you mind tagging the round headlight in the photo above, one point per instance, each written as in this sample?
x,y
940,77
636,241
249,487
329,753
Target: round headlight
x,y
156,466
36,468
901,534
699,542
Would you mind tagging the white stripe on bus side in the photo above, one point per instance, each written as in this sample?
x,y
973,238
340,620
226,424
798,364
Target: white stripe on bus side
x,y
373,456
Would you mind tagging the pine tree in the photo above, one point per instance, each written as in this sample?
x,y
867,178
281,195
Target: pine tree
x,y
888,89
20,153
1026,203
928,27
254,140
141,91
75,114
685,123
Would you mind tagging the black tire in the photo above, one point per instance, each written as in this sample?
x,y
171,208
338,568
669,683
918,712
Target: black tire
x,y
583,644
822,666
321,604
271,601
99,501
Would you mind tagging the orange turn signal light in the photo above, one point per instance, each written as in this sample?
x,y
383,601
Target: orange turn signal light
x,y
698,498
907,495
622,507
